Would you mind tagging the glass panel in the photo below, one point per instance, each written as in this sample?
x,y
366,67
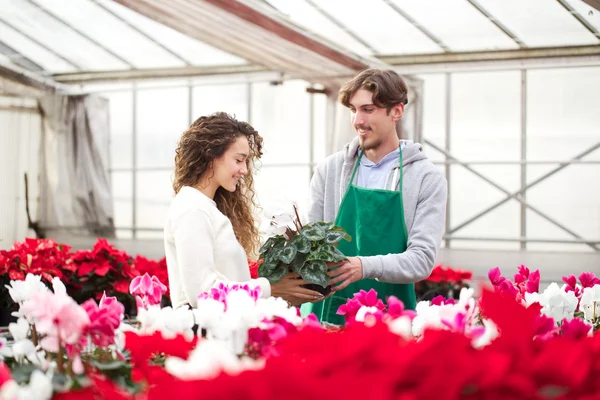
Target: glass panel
x,y
540,228
306,15
121,125
434,113
539,22
275,184
502,222
281,115
589,13
319,127
466,30
151,215
124,234
196,52
112,33
122,185
154,187
232,99
36,53
486,116
380,26
53,34
161,116
562,115
123,210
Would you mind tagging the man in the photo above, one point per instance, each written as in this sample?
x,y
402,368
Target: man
x,y
394,214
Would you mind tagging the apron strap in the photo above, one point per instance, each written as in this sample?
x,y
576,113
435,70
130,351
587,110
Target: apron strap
x,y
399,172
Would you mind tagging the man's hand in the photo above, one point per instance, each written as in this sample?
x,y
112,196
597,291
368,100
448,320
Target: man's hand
x,y
348,272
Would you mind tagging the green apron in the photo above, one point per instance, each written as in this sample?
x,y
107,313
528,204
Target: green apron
x,y
375,220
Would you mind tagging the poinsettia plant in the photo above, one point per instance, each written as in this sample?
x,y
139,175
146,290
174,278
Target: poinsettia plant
x,y
303,249
104,269
43,257
443,281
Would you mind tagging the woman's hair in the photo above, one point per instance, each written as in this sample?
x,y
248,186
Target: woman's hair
x,y
206,140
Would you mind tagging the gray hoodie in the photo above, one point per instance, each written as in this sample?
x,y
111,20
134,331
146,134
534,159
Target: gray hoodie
x,y
424,194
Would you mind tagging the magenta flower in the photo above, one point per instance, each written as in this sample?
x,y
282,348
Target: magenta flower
x,y
588,279
441,300
147,290
495,276
104,319
544,327
575,329
396,308
221,292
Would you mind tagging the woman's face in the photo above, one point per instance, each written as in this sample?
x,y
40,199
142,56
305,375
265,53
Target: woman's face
x,y
232,165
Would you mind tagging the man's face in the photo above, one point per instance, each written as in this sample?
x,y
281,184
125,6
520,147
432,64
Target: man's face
x,y
373,124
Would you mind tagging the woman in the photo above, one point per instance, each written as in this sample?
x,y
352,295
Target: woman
x,y
210,227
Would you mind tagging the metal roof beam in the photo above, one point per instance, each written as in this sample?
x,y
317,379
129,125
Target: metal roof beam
x,y
492,55
580,18
34,40
141,32
88,38
498,24
340,25
417,25
154,73
19,59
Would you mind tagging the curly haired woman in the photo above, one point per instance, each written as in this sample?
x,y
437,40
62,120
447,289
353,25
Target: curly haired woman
x,y
210,227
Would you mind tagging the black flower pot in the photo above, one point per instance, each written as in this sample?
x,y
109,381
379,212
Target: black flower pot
x,y
318,288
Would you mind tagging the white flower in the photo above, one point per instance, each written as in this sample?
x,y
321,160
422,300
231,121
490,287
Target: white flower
x,y
590,303
21,291
491,333
167,321
279,215
556,303
207,360
363,311
277,307
209,313
402,326
58,287
39,388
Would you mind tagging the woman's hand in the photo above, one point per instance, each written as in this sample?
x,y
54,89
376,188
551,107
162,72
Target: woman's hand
x,y
290,289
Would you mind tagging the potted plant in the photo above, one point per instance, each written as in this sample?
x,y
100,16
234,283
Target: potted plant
x,y
305,250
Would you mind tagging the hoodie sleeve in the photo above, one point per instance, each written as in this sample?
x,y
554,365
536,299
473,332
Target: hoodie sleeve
x,y
424,239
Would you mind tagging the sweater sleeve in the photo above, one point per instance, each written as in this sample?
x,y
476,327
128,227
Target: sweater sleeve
x,y
194,238
424,239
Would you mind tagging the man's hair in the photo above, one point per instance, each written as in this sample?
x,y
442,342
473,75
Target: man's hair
x,y
388,88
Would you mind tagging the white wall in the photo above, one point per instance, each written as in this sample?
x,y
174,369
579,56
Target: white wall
x,y
20,129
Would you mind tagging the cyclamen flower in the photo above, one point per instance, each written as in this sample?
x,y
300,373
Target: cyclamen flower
x,y
105,318
360,299
58,317
147,290
556,303
221,292
590,303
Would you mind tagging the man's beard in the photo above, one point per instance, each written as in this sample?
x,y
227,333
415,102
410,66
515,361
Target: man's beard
x,y
369,144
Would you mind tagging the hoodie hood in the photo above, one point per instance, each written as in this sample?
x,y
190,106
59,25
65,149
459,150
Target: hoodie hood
x,y
410,153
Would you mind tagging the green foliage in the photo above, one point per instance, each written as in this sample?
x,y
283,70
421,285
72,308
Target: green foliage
x,y
306,253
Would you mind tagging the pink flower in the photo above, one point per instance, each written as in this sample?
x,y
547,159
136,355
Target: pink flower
x,y
441,300
58,317
4,374
221,292
396,308
544,327
147,290
588,279
495,276
360,299
104,319
575,329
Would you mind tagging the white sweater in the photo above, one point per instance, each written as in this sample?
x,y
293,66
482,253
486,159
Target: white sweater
x,y
201,249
